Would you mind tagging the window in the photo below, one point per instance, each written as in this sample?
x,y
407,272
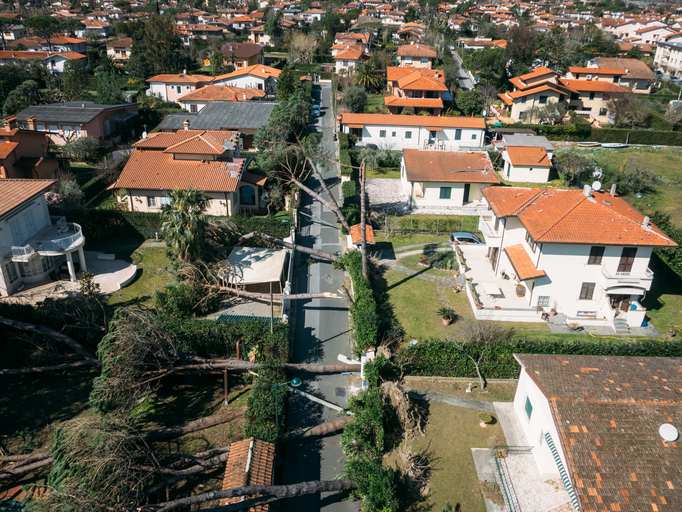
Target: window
x,y
432,135
53,128
458,134
163,201
473,136
78,131
575,96
603,111
627,258
151,201
445,192
179,89
193,107
615,79
530,242
67,131
35,266
523,99
543,301
587,291
407,59
425,60
11,272
187,87
528,408
596,255
543,100
408,135
393,134
382,133
247,195
53,63
592,95
40,127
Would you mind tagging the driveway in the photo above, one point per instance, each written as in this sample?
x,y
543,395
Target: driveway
x,y
321,333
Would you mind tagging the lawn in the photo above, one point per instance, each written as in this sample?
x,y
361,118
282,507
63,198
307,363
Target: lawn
x,y
392,173
494,391
664,162
375,103
152,274
398,241
664,300
411,262
105,201
451,433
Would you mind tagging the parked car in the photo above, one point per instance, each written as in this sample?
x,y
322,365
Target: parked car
x,y
315,112
462,237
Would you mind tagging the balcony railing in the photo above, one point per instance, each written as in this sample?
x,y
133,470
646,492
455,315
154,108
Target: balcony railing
x,y
628,277
47,242
487,230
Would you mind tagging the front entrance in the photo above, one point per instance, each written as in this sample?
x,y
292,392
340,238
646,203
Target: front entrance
x,y
494,255
467,190
620,302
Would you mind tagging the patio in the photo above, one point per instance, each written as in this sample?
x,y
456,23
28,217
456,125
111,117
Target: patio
x,y
111,275
497,295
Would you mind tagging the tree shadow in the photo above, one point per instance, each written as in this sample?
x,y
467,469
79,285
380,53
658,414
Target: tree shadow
x,y
667,282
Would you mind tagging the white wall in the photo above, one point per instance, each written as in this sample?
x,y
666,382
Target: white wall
x,y
523,174
157,88
396,136
218,205
535,427
244,81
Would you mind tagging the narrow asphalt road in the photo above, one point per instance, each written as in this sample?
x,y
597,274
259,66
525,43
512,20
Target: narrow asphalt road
x,y
321,333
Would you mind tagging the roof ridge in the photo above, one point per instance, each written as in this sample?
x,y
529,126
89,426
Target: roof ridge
x,y
562,217
527,202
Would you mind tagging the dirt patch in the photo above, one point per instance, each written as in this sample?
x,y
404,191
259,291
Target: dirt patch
x,y
494,392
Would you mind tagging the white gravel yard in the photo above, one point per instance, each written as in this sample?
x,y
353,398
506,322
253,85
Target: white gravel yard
x,y
533,494
386,195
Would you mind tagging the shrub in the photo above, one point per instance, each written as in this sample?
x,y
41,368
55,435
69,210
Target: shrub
x,y
260,407
355,98
181,300
347,140
403,224
349,193
85,149
443,260
344,158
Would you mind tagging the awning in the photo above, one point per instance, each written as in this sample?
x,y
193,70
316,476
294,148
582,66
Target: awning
x,y
356,126
434,128
523,266
253,265
624,290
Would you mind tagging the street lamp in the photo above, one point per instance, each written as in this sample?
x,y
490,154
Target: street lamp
x,y
291,233
295,382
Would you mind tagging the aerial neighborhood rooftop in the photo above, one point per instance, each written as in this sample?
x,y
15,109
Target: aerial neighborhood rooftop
x,y
338,256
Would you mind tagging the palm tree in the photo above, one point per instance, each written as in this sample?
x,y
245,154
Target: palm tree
x,y
365,75
184,222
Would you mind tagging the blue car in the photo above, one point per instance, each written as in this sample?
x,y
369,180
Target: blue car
x,y
315,112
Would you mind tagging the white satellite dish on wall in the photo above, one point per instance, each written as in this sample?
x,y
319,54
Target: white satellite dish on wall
x,y
596,185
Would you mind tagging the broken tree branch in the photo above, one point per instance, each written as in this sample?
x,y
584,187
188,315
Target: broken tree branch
x,y
192,426
12,472
46,331
244,366
345,295
319,430
181,474
274,296
53,368
282,243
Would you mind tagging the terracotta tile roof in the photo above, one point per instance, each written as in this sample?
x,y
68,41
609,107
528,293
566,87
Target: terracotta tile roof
x,y
156,170
351,52
259,70
607,411
7,148
597,71
635,68
568,216
420,81
126,42
222,92
395,101
14,192
449,166
205,143
394,73
542,87
593,86
527,156
241,50
182,78
163,140
416,50
538,72
391,120
523,265
9,55
250,462
256,179
356,234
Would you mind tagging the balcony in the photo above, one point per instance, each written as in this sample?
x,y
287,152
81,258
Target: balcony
x,y
56,239
493,237
641,280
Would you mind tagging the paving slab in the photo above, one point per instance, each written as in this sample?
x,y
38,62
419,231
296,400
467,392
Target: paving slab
x,y
483,460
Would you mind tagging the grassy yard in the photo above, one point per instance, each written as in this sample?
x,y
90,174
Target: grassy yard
x,y
105,201
152,274
451,433
664,300
392,173
397,241
375,103
664,162
412,262
494,392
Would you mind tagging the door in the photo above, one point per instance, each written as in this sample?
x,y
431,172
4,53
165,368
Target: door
x,y
627,258
494,254
467,189
620,302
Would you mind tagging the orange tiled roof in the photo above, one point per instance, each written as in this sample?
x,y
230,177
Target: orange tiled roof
x,y
7,148
538,72
395,101
449,166
592,86
523,265
439,121
356,234
222,92
568,216
351,52
597,71
526,156
14,192
419,81
607,411
541,87
259,70
416,50
205,143
250,462
394,73
163,140
182,78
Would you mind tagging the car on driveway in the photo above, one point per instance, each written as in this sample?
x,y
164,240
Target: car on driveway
x,y
462,237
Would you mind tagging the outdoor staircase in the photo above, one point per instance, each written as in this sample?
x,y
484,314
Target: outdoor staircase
x,y
562,471
621,325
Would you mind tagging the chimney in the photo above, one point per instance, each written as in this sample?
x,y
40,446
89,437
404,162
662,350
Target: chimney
x,y
185,123
436,75
244,96
10,123
82,105
184,71
613,190
263,70
31,123
586,190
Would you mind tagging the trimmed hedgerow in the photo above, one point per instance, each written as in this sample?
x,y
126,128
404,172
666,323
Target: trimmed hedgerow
x,y
349,193
260,407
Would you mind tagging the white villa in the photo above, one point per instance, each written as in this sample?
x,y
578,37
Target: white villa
x,y
388,131
584,253
31,241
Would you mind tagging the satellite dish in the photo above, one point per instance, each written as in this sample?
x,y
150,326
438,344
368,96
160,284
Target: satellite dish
x,y
144,135
596,185
668,432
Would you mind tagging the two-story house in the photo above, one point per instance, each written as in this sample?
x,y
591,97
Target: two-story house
x,y
30,240
416,55
242,55
203,159
638,76
584,252
387,131
24,153
196,101
349,56
259,76
120,50
422,89
172,87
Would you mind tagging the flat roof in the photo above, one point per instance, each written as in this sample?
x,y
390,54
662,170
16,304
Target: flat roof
x,y
253,265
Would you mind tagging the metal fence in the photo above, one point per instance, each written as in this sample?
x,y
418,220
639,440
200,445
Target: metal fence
x,y
500,455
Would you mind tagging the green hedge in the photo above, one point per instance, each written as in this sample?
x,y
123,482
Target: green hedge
x,y
364,312
270,226
260,407
444,225
556,131
443,359
349,193
347,141
344,158
93,187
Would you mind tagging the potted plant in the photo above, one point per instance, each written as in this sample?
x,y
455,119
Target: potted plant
x,y
486,419
470,279
552,311
447,314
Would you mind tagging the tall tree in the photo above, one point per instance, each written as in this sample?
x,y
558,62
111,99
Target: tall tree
x,y
285,84
273,27
71,25
43,26
217,63
157,48
184,222
365,75
75,80
108,90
